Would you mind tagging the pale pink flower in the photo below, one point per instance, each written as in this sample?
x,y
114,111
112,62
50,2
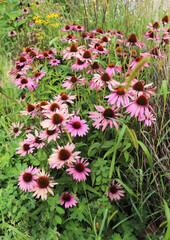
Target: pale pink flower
x,y
86,56
155,53
15,129
111,69
37,140
22,97
30,110
100,49
114,192
54,62
31,24
79,28
52,106
132,40
105,117
12,33
56,119
148,119
98,31
25,10
70,82
139,107
43,185
77,127
119,97
154,27
25,82
72,51
26,148
69,39
50,134
63,155
79,65
79,170
151,35
95,68
138,88
135,62
99,81
27,179
68,200
66,28
39,75
65,98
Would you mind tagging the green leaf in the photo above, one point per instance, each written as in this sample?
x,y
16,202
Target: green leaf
x,y
133,137
89,188
93,146
126,187
167,212
60,210
147,153
57,220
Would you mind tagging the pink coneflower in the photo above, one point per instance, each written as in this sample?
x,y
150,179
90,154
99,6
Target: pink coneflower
x,y
118,34
73,26
68,199
50,134
43,55
86,56
65,98
52,106
12,33
30,110
148,119
79,28
105,117
90,36
54,62
114,192
155,53
38,75
100,49
22,97
25,10
43,184
15,129
165,19
77,127
111,69
26,148
55,119
138,88
69,39
105,40
95,68
132,40
154,27
31,24
119,96
27,179
79,65
98,31
139,107
152,35
135,62
99,81
72,51
63,155
29,129
37,140
25,82
70,82
66,28
79,170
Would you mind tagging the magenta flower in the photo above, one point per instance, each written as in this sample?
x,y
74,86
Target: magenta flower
x,y
105,117
64,98
77,127
68,200
70,82
86,56
43,185
37,140
132,40
79,170
138,88
26,148
15,129
148,119
95,68
50,134
63,155
119,96
79,65
135,62
99,81
66,28
79,28
25,82
27,179
100,49
54,62
139,107
114,192
111,69
155,53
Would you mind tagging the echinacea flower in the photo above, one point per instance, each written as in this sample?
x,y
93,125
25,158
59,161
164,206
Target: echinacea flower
x,y
69,39
65,98
30,110
26,148
132,40
114,192
139,107
148,119
63,155
99,81
25,10
15,129
79,170
50,134
55,119
72,51
37,140
79,65
77,127
66,28
95,68
135,62
154,52
79,28
100,49
52,106
12,33
25,82
111,69
119,96
68,199
43,185
27,179
70,82
86,56
138,88
106,116
54,62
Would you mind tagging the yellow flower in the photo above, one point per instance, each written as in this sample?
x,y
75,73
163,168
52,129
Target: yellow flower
x,y
41,37
54,25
